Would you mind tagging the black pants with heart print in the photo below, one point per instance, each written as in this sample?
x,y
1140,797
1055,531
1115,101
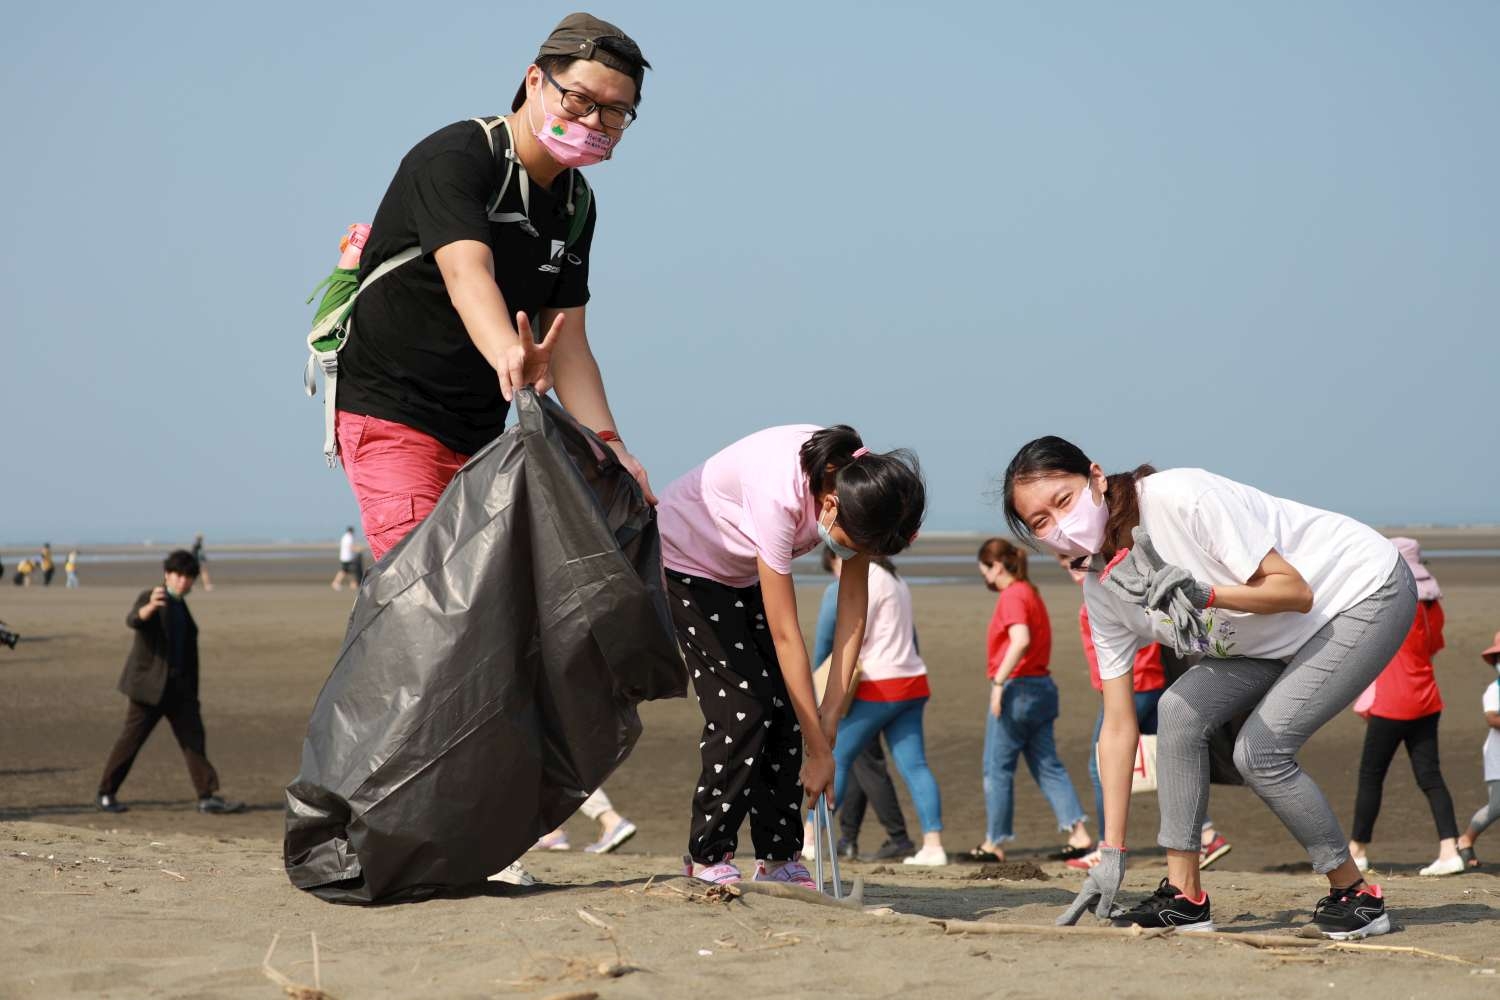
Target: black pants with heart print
x,y
751,743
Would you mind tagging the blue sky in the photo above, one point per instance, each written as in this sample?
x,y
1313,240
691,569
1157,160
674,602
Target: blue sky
x,y
1257,238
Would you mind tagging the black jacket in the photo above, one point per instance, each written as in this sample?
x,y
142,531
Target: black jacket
x,y
144,678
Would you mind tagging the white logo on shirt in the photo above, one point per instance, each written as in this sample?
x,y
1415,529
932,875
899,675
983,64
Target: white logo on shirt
x,y
555,266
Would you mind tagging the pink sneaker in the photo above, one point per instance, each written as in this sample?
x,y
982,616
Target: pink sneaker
x,y
722,873
1086,863
791,872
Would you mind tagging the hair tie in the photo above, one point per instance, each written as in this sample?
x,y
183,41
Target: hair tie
x,y
859,452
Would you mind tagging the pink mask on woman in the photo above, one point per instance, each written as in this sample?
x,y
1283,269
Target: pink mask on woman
x,y
1080,531
571,143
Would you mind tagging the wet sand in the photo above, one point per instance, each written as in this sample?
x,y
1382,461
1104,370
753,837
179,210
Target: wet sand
x,y
269,632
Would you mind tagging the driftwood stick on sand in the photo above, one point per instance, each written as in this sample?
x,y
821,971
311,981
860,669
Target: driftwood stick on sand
x,y
1259,941
296,991
782,890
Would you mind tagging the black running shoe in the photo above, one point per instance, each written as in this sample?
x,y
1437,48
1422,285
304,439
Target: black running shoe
x,y
894,849
1352,913
110,804
1168,907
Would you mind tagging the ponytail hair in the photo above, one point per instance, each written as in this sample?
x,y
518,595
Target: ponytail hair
x,y
882,497
1009,555
1053,456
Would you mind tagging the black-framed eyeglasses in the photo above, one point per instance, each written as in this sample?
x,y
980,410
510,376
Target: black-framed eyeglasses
x,y
581,105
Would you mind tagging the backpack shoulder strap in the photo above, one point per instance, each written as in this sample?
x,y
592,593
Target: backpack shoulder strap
x,y
580,200
497,134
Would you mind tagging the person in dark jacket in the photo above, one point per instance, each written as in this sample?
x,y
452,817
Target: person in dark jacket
x,y
161,679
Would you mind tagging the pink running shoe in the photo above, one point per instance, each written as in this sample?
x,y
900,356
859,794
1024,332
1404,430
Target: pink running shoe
x,y
722,873
1088,862
791,872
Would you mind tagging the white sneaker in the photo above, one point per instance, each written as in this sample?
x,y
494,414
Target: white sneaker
x,y
1452,866
931,857
513,874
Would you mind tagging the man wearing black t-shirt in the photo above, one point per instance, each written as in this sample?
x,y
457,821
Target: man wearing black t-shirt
x,y
442,342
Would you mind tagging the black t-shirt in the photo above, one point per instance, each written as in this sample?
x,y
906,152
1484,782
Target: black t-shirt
x,y
410,359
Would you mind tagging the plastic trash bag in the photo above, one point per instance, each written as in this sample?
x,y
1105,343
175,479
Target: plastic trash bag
x,y
490,674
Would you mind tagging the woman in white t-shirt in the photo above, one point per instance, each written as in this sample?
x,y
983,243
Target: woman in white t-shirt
x,y
1292,611
1490,811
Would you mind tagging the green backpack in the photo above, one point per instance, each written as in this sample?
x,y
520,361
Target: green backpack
x,y
333,323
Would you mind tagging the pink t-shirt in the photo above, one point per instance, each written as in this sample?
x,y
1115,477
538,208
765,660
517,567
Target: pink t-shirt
x,y
751,499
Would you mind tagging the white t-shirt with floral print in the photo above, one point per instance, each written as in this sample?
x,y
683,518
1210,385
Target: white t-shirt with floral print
x,y
1220,531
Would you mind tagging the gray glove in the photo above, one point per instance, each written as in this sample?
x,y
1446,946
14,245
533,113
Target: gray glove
x,y
1144,579
1099,889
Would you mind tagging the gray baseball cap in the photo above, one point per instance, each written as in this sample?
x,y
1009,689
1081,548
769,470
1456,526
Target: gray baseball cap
x,y
584,36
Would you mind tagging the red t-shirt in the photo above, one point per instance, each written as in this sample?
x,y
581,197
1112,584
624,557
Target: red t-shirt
x,y
1406,689
1147,671
1020,604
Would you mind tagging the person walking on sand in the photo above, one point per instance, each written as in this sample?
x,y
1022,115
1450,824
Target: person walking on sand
x,y
161,680
1293,611
614,829
201,557
1023,706
1149,677
445,341
890,699
1490,811
48,566
350,569
730,529
869,780
71,568
1404,706
24,570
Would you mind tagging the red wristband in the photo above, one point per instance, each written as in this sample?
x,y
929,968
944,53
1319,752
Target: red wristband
x,y
1111,846
608,435
1212,595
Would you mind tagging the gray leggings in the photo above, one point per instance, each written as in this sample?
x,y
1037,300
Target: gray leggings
x,y
1291,701
1488,813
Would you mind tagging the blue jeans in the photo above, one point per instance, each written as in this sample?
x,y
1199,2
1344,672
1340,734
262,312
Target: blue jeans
x,y
1027,711
1145,718
901,722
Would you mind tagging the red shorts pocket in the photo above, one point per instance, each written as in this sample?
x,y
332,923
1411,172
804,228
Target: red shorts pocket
x,y
387,521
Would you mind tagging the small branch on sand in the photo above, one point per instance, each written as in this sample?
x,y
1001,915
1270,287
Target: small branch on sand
x,y
619,967
296,991
180,878
782,890
575,995
1259,941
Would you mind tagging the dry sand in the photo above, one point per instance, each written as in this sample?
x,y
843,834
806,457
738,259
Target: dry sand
x,y
102,916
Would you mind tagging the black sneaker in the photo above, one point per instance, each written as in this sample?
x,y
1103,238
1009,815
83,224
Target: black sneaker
x,y
216,805
848,850
893,849
110,804
1352,913
1168,907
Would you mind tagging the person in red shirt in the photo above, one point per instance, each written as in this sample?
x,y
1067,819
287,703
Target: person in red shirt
x,y
1023,706
1403,705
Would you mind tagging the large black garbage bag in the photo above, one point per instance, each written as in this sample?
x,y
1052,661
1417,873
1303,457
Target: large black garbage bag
x,y
490,674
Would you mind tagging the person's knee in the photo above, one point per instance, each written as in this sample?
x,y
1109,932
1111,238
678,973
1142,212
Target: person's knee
x,y
1259,757
1180,724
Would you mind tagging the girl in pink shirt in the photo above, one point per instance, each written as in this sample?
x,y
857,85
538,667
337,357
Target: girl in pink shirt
x,y
730,530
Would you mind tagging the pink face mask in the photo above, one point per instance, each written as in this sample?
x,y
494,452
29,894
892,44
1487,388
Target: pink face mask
x,y
1080,531
571,143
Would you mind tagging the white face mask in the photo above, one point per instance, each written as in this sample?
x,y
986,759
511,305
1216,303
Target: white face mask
x,y
1080,531
825,532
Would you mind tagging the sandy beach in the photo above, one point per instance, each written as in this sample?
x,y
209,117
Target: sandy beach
x,y
162,901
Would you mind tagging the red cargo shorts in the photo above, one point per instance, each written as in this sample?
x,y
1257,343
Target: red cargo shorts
x,y
397,473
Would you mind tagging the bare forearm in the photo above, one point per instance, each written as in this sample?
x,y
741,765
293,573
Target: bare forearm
x,y
482,308
1010,660
1268,593
1117,746
580,384
791,653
